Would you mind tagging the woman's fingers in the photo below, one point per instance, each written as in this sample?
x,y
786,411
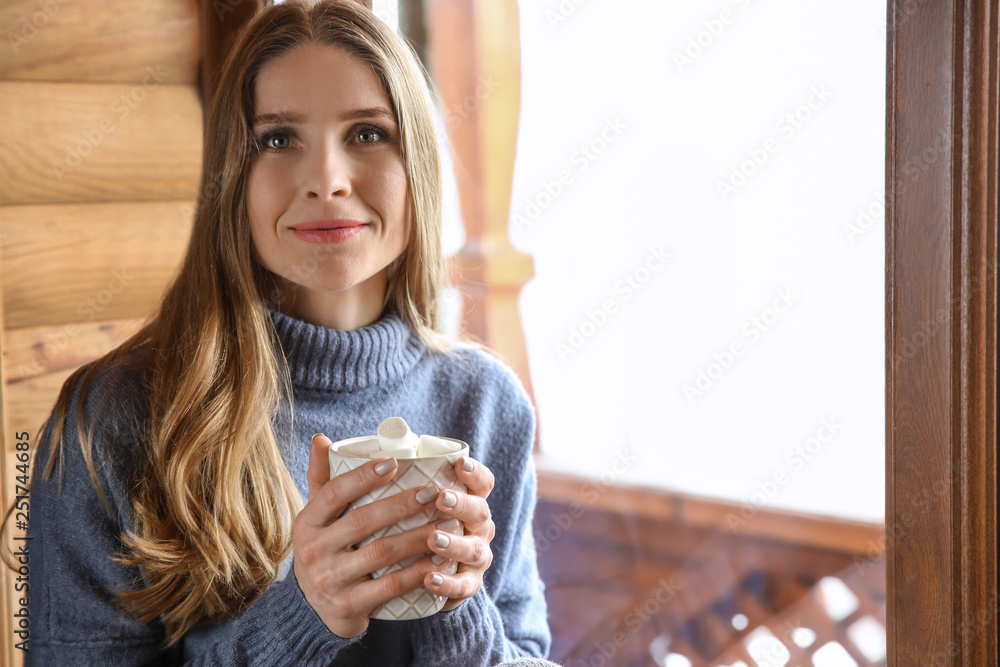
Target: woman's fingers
x,y
318,473
457,587
478,479
471,510
329,499
381,553
471,550
334,572
351,604
461,560
355,526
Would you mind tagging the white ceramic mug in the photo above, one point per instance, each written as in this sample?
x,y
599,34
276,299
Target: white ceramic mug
x,y
346,455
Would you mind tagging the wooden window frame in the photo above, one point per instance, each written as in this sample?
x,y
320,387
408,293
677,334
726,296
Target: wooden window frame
x,y
941,316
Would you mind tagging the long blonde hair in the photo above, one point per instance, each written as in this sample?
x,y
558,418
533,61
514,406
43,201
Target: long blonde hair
x,y
214,506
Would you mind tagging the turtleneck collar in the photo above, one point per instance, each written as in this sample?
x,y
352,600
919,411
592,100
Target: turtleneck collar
x,y
334,360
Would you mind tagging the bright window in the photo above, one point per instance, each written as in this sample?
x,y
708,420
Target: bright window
x,y
701,187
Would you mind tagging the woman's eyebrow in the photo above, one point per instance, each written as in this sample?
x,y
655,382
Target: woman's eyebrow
x,y
280,118
370,112
285,117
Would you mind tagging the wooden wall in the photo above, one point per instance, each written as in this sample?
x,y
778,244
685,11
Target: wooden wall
x,y
99,163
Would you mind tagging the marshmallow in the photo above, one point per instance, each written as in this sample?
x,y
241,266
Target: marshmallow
x,y
398,453
430,445
394,433
394,438
364,447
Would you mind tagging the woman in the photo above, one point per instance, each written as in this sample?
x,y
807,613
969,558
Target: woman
x,y
167,521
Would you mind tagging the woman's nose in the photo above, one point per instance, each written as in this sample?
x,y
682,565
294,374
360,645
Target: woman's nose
x,y
328,175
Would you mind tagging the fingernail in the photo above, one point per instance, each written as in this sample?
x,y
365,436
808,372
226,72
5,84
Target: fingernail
x,y
383,467
467,464
437,559
449,526
441,541
437,579
427,494
450,499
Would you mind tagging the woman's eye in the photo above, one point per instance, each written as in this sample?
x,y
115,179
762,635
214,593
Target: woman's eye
x,y
368,136
277,141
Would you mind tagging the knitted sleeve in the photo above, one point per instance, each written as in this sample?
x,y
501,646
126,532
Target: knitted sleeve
x,y
73,543
507,618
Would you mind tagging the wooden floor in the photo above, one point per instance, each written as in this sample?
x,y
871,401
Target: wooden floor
x,y
627,590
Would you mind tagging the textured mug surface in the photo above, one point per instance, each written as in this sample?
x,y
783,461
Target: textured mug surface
x,y
410,474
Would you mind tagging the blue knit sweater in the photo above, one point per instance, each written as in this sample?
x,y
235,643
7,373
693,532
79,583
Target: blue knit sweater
x,y
345,383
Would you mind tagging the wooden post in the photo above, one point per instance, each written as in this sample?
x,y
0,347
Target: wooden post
x,y
475,60
219,22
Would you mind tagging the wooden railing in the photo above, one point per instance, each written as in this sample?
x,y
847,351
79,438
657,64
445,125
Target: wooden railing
x,y
633,574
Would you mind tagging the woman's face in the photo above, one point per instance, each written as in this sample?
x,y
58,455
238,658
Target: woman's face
x,y
327,196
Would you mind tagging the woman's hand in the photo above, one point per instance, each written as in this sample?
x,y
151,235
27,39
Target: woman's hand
x,y
333,575
472,550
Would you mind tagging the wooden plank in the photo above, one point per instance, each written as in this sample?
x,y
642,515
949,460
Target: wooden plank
x,y
32,353
99,40
855,537
30,403
78,263
91,142
46,365
866,540
572,490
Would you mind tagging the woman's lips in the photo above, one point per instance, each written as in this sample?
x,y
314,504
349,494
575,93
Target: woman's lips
x,y
327,231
